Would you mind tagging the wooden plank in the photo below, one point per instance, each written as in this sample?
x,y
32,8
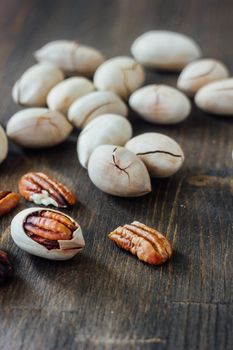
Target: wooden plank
x,y
105,298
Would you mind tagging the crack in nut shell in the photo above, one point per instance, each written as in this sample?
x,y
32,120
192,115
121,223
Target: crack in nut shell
x,y
44,189
47,228
6,269
8,201
143,241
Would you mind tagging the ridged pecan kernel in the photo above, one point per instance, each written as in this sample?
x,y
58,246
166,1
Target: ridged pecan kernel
x,y
43,189
47,228
8,201
145,242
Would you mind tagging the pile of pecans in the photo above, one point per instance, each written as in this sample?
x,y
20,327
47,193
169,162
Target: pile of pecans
x,y
58,95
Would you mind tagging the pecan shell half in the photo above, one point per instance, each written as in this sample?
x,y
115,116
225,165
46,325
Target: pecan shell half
x,y
8,201
47,228
43,189
145,242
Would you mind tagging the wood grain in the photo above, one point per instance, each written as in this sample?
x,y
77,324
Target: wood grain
x,y
105,298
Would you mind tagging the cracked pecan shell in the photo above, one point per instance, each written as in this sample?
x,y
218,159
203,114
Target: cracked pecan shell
x,y
143,241
43,189
8,201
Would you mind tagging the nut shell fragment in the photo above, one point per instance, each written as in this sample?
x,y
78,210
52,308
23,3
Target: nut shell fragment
x,y
143,241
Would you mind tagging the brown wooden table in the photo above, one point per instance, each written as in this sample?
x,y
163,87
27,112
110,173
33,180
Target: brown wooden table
x,y
105,298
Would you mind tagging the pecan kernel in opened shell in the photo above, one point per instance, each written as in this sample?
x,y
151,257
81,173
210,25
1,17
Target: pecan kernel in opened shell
x,y
145,242
43,189
8,201
47,233
46,228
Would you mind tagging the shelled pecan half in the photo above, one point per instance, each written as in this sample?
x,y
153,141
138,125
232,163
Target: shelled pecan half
x,y
143,241
43,189
8,201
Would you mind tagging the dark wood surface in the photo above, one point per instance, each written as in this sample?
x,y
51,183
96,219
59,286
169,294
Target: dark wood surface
x,y
105,298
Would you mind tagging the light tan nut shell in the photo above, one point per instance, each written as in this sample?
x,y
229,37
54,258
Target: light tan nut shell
x,y
94,104
71,57
67,248
161,49
65,93
38,128
118,172
160,104
121,75
217,97
199,73
3,145
106,129
161,154
32,88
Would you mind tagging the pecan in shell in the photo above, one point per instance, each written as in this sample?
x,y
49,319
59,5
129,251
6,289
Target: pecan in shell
x,y
47,228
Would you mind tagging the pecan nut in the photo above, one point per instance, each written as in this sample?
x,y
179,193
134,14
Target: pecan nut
x,y
47,228
8,201
6,269
47,233
43,189
145,242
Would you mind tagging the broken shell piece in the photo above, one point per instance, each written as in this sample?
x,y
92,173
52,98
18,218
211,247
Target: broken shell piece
x,y
161,154
119,172
32,88
71,57
106,129
47,233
